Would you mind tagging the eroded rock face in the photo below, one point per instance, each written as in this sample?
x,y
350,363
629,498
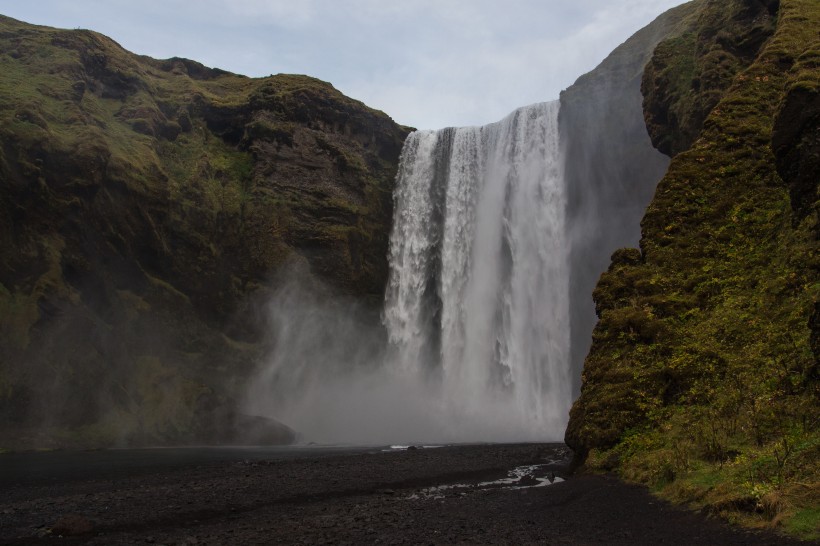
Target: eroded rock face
x,y
689,72
796,144
705,356
144,207
611,168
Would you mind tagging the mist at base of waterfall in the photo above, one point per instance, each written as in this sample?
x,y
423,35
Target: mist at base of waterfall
x,y
331,375
473,341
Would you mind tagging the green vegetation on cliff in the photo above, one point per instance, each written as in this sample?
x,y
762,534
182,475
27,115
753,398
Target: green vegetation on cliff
x,y
703,378
144,207
690,71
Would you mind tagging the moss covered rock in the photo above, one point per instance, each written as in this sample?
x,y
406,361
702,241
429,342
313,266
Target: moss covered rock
x,y
703,378
691,70
144,206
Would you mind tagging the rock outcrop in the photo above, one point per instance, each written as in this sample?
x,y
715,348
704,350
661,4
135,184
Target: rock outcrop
x,y
611,167
702,379
144,206
692,68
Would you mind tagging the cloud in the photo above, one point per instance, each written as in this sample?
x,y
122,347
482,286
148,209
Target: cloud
x,y
427,63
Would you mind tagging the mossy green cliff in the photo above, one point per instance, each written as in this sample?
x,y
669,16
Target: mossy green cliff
x,y
144,207
703,378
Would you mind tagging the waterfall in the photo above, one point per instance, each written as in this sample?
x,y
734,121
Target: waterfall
x,y
477,303
473,344
500,234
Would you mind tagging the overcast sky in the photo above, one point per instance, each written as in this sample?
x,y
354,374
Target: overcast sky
x,y
426,63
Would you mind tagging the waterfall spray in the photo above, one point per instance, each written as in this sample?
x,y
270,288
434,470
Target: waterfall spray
x,y
478,293
476,311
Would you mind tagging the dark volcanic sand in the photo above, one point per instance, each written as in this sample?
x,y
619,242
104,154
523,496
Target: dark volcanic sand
x,y
355,498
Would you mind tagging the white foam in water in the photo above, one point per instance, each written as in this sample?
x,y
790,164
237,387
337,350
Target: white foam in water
x,y
478,290
522,477
476,309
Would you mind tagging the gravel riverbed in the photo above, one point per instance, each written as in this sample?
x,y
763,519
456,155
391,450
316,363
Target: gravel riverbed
x,y
470,494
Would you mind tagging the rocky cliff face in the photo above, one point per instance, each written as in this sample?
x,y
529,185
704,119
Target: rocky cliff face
x,y
611,167
691,70
144,207
702,379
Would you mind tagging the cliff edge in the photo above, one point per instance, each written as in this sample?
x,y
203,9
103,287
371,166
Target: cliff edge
x,y
703,377
145,206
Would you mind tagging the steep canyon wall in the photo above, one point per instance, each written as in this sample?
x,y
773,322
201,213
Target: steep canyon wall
x,y
144,206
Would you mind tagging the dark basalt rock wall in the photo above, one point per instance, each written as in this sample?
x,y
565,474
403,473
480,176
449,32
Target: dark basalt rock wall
x,y
688,74
702,379
144,207
611,167
796,141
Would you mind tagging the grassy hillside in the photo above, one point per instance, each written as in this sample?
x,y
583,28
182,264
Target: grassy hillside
x,y
703,377
144,207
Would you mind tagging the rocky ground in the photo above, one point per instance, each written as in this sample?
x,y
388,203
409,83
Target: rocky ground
x,y
460,494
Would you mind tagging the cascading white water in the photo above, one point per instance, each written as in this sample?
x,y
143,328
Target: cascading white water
x,y
478,297
476,310
500,234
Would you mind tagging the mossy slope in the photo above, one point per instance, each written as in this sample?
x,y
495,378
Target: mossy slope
x,y
703,376
144,205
